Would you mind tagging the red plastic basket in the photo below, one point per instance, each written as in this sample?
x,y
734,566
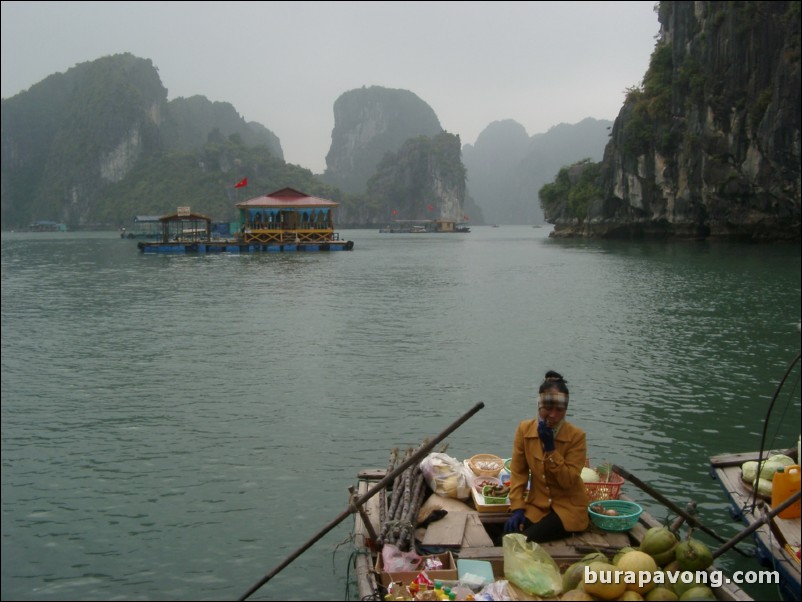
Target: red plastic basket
x,y
605,490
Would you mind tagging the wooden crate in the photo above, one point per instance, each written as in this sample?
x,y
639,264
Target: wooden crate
x,y
447,573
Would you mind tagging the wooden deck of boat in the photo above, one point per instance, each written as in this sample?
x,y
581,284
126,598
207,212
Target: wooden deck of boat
x,y
479,546
771,537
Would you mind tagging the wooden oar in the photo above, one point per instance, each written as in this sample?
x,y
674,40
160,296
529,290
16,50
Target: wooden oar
x,y
355,504
756,525
690,518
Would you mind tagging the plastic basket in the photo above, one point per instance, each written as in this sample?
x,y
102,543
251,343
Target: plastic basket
x,y
486,465
480,482
628,514
489,499
605,490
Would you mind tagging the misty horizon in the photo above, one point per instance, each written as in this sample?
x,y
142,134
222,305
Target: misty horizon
x,y
547,63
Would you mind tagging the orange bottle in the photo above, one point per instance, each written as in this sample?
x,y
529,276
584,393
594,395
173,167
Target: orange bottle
x,y
786,482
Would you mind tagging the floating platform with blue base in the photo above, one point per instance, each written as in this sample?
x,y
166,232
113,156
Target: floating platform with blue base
x,y
284,221
240,247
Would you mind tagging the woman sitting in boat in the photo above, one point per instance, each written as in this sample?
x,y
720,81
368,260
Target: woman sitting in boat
x,y
554,452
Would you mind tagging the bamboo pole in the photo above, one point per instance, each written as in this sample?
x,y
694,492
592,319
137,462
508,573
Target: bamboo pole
x,y
759,523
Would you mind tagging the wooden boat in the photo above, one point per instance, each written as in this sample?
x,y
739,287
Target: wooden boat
x,y
368,504
778,539
476,543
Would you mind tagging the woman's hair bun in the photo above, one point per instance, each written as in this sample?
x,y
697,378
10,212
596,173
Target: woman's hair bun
x,y
552,375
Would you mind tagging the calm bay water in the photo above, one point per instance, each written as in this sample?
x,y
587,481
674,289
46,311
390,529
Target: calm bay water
x,y
174,427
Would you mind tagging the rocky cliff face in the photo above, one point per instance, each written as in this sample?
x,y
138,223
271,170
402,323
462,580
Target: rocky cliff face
x,y
424,180
73,132
709,146
368,123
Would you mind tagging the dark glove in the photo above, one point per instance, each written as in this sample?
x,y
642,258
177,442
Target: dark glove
x,y
515,522
546,436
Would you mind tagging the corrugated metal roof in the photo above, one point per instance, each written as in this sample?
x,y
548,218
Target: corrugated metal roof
x,y
175,217
287,197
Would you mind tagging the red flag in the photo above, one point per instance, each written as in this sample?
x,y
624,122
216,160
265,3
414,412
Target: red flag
x,y
395,212
242,183
465,218
429,206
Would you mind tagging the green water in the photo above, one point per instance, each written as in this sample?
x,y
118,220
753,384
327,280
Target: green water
x,y
174,427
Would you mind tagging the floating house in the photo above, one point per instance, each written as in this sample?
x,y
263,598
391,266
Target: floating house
x,y
144,226
406,226
45,225
286,220
447,225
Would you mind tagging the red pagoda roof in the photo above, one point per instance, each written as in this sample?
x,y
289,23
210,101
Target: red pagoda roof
x,y
287,197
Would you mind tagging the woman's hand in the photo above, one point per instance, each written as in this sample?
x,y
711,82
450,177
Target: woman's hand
x,y
546,436
515,523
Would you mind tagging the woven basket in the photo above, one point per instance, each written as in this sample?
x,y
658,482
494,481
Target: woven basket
x,y
605,490
628,514
486,465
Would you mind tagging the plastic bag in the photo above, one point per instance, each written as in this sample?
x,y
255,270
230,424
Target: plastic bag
x,y
446,476
498,590
396,561
529,566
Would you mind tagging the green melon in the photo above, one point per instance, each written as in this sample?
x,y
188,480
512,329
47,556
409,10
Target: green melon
x,y
572,576
693,555
661,593
700,592
659,543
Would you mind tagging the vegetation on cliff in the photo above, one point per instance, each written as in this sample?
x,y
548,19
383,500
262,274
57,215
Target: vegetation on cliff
x,y
572,190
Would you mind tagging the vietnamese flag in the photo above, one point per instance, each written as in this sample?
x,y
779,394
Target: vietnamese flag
x,y
429,207
242,183
395,211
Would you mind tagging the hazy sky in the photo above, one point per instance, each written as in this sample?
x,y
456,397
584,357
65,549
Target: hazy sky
x,y
284,64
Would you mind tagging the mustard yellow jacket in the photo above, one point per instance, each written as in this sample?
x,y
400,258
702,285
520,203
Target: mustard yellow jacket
x,y
556,476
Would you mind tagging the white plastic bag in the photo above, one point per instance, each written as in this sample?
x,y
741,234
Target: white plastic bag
x,y
396,561
498,590
446,476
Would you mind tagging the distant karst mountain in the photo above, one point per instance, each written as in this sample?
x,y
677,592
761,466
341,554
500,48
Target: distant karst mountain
x,y
368,123
73,136
424,180
506,167
188,122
